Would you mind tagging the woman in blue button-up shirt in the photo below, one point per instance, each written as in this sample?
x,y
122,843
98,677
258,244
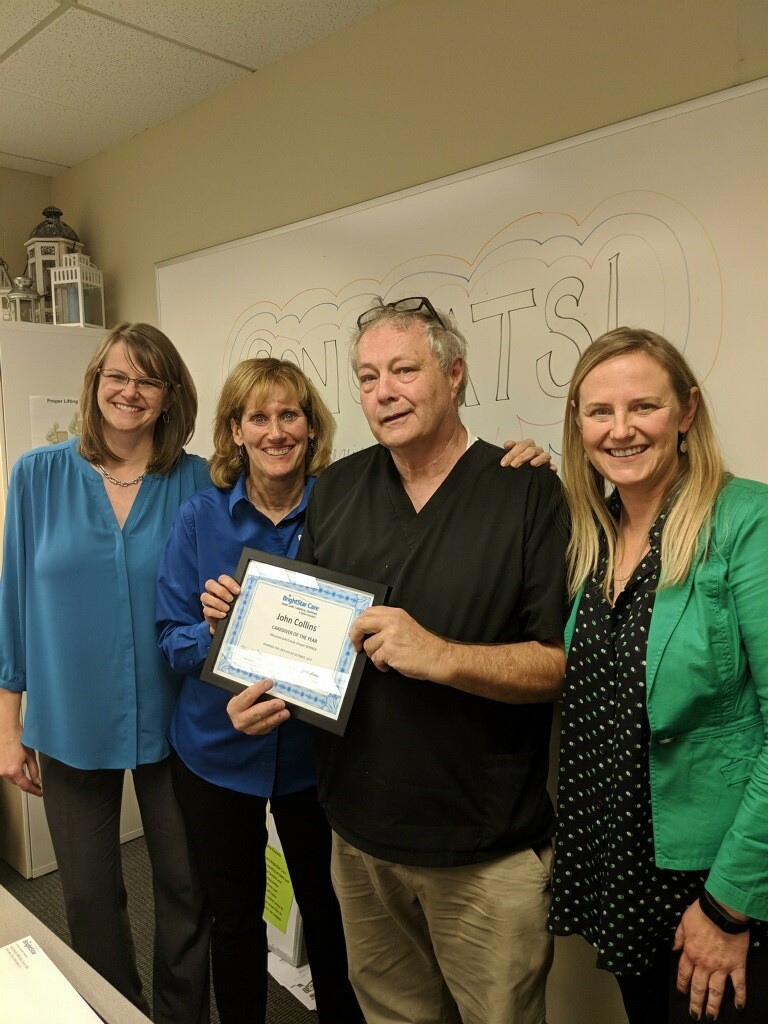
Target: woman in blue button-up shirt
x,y
86,521
272,433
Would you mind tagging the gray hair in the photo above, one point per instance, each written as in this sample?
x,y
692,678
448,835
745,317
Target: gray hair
x,y
447,343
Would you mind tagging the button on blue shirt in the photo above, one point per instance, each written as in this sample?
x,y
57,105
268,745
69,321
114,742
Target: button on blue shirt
x,y
77,629
206,540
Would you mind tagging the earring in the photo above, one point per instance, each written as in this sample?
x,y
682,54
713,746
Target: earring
x,y
683,445
311,446
166,417
241,454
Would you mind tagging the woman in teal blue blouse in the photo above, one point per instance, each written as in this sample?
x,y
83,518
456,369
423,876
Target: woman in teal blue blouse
x,y
662,837
86,522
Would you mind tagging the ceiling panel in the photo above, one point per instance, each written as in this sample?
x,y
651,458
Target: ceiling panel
x,y
250,32
20,163
117,71
16,19
79,77
68,133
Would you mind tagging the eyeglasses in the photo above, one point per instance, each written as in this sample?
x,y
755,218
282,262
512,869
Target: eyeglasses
x,y
415,304
115,379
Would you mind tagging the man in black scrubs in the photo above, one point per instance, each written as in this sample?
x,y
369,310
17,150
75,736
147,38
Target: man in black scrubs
x,y
437,791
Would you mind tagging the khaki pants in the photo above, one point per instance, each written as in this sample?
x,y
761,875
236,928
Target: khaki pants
x,y
419,939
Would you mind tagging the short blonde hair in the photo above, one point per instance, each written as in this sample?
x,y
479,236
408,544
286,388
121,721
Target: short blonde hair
x,y
261,376
153,354
689,500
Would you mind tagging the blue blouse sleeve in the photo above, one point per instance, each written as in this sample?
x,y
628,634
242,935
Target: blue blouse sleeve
x,y
184,635
13,585
202,472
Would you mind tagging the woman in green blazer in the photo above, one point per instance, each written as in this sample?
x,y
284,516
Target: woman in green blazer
x,y
662,841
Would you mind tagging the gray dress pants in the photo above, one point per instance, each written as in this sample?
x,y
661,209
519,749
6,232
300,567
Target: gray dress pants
x,y
83,812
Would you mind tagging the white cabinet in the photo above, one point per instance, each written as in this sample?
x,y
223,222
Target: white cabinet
x,y
24,838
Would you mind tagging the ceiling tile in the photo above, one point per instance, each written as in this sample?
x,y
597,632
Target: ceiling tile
x,y
127,75
16,19
85,82
251,33
42,130
17,163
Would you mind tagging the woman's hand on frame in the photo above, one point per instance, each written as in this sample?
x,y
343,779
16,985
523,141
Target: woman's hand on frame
x,y
254,716
218,596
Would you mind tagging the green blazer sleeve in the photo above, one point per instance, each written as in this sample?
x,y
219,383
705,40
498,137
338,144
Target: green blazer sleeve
x,y
707,698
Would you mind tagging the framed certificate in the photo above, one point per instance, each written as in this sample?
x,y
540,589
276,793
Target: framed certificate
x,y
290,623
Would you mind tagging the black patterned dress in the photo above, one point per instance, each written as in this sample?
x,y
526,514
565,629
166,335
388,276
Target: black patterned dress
x,y
606,885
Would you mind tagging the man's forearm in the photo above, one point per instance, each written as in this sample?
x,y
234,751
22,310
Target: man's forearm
x,y
529,672
524,673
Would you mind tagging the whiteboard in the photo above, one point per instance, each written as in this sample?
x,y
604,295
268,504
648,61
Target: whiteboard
x,y
659,222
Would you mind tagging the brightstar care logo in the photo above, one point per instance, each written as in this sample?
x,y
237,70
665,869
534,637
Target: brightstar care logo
x,y
296,602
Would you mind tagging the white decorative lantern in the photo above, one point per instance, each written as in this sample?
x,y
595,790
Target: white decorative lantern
x,y
5,288
46,247
78,292
24,301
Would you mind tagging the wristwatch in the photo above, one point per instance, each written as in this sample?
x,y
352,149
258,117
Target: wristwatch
x,y
712,909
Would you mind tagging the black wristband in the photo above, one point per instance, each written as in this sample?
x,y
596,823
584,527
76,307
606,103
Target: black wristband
x,y
718,916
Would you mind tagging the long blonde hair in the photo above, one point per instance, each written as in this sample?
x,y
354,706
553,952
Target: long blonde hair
x,y
691,495
263,375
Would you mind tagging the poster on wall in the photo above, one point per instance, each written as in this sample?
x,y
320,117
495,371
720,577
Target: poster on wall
x,y
53,419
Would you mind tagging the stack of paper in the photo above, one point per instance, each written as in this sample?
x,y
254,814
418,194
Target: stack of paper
x,y
297,980
35,990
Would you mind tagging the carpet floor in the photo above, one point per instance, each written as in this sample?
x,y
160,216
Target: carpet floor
x,y
42,896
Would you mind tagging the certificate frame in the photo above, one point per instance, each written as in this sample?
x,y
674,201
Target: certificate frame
x,y
290,623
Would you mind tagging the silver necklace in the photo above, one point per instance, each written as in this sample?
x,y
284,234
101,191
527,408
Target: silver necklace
x,y
643,553
621,579
114,480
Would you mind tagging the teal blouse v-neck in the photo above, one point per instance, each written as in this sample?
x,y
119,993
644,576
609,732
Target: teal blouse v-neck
x,y
77,609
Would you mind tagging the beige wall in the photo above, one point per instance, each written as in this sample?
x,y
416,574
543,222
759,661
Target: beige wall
x,y
422,89
23,197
